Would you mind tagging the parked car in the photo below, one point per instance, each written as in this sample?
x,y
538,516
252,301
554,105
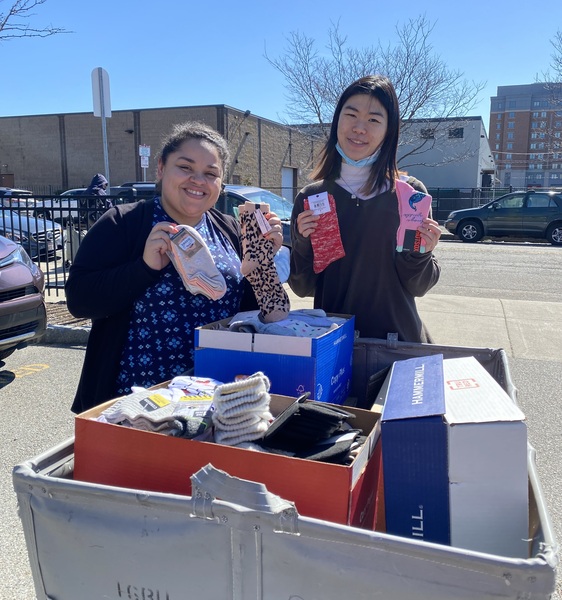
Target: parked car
x,y
143,189
23,316
73,205
40,238
528,213
16,198
234,195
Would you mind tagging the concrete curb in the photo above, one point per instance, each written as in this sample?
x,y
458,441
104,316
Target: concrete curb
x,y
64,335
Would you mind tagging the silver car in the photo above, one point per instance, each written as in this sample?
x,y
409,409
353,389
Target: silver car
x,y
40,238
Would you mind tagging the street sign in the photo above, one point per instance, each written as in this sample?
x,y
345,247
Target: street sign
x,y
100,92
144,150
144,162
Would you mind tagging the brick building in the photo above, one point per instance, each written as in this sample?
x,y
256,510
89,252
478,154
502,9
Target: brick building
x,y
526,134
53,153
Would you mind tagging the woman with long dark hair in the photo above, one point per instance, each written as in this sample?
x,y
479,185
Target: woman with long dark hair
x,y
344,225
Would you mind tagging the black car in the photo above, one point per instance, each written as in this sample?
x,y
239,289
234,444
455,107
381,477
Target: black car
x,y
530,213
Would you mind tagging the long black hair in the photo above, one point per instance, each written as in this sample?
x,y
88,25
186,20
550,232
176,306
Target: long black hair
x,y
329,165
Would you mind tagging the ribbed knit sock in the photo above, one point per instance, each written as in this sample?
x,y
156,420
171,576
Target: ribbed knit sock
x,y
326,241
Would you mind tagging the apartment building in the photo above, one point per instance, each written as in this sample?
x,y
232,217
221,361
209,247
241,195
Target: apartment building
x,y
526,134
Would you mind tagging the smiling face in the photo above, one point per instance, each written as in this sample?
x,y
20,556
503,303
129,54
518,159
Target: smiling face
x,y
191,180
362,126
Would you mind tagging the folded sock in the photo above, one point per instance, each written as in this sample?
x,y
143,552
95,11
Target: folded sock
x,y
195,264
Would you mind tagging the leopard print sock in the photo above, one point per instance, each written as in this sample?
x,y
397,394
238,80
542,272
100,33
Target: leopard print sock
x,y
258,266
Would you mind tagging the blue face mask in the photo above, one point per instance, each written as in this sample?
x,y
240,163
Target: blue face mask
x,y
358,163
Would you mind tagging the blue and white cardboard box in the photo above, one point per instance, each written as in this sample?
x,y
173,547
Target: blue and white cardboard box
x,y
294,365
454,448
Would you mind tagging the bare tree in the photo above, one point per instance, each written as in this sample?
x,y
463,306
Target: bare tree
x,y
557,56
425,86
14,21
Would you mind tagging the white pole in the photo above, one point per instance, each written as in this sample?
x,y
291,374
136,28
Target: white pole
x,y
104,128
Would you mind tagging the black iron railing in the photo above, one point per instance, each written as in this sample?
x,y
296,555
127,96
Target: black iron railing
x,y
51,228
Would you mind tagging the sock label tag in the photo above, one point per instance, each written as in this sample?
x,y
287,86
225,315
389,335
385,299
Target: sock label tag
x,y
319,203
264,226
186,242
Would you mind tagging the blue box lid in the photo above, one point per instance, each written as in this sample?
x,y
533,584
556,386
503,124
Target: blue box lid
x,y
416,389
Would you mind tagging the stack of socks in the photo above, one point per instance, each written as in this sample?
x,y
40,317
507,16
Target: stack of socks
x,y
242,410
258,265
193,261
162,411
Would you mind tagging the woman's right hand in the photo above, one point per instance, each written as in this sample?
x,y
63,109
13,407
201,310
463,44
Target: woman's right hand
x,y
157,245
307,222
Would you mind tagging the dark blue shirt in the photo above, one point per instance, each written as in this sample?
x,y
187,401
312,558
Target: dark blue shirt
x,y
160,341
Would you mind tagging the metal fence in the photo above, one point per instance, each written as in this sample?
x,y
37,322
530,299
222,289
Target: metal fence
x,y
51,228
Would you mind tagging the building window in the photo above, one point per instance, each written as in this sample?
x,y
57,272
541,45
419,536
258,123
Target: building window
x,y
497,148
496,157
532,166
511,115
456,132
511,125
508,165
557,134
427,134
510,146
498,125
536,103
541,136
498,136
500,105
533,147
498,117
511,104
534,125
539,166
535,115
534,136
543,114
532,156
510,136
554,176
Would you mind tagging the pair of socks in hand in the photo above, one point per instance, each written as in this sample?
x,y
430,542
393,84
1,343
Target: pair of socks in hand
x,y
193,261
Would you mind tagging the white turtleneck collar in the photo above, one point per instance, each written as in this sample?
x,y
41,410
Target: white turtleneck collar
x,y
354,178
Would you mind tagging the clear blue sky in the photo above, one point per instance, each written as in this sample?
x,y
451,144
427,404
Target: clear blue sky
x,y
182,53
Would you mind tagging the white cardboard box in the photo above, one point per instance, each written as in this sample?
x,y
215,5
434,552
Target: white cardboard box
x,y
488,478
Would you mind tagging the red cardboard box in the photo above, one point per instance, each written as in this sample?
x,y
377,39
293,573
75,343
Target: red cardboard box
x,y
125,457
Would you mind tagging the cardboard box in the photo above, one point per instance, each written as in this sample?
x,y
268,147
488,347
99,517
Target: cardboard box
x,y
414,450
294,365
454,449
488,475
124,457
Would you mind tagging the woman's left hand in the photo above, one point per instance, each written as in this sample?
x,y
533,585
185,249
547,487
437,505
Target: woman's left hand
x,y
430,232
276,233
